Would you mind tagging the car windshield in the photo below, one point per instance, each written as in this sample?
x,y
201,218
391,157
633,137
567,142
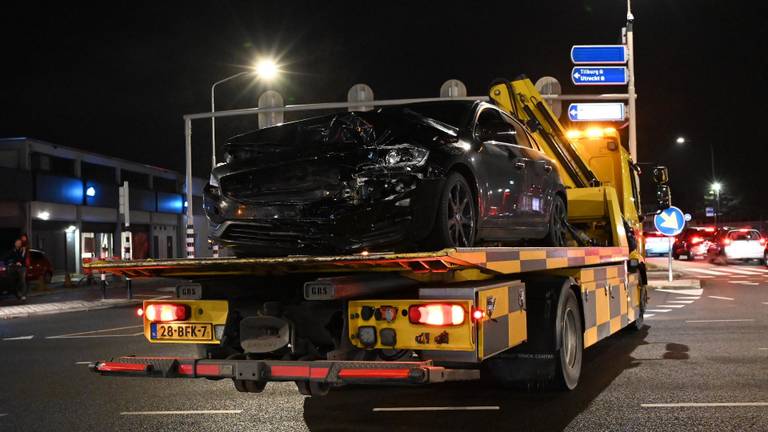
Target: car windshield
x,y
744,235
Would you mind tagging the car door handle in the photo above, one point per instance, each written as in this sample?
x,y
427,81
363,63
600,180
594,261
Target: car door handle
x,y
520,165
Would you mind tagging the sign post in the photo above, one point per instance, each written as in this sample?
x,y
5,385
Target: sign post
x,y
670,222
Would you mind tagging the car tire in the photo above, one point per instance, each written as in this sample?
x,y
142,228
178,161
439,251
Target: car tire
x,y
676,256
558,218
570,338
455,224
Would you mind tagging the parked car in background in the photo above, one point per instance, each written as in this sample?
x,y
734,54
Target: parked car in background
x,y
692,242
423,176
731,244
656,243
40,267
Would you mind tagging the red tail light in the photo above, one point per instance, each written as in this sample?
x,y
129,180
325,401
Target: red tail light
x,y
437,314
709,229
762,241
726,242
696,239
478,314
162,312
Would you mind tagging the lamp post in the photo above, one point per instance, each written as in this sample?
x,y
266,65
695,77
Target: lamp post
x,y
716,187
265,69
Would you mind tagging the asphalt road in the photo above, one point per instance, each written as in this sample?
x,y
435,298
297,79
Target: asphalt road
x,y
700,347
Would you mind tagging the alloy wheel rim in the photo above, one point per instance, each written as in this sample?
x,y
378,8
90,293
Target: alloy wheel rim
x,y
558,226
569,338
461,216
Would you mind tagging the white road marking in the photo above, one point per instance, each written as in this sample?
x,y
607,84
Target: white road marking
x,y
18,338
95,331
744,272
649,315
720,298
671,306
3,414
658,310
757,269
681,301
765,303
721,320
705,271
438,408
705,404
687,298
763,348
684,291
704,277
96,336
181,412
82,363
740,282
738,276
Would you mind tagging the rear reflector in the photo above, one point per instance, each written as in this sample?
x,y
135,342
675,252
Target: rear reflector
x,y
162,312
436,314
374,373
121,367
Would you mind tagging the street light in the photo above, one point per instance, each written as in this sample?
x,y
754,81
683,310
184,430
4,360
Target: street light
x,y
265,69
680,140
716,187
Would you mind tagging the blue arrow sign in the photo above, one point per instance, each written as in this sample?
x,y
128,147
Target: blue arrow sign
x,y
602,54
604,111
599,75
670,222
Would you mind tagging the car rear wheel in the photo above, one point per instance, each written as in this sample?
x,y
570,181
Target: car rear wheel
x,y
456,215
558,219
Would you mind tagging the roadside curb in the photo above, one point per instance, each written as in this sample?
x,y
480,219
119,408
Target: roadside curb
x,y
22,311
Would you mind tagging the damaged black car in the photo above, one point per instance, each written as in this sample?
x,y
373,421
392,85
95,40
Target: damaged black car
x,y
409,177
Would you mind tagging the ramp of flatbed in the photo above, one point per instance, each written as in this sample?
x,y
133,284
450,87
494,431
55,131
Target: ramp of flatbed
x,y
492,260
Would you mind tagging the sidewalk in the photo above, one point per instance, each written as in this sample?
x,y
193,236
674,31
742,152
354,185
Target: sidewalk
x,y
58,299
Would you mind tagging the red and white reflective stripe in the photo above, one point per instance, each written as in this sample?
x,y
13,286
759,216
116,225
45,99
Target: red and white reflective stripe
x,y
190,241
374,373
289,371
121,367
202,369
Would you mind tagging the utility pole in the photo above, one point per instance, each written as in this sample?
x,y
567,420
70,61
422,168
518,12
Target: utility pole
x,y
631,84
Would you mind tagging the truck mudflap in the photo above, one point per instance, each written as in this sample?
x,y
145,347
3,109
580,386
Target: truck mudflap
x,y
331,372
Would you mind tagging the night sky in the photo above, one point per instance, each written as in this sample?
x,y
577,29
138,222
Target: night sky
x,y
116,77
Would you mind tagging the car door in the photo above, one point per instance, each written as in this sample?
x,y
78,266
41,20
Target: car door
x,y
539,184
504,165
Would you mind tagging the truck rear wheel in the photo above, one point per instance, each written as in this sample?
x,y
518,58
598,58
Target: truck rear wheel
x,y
570,339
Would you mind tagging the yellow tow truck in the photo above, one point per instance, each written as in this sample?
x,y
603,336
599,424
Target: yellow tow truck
x,y
512,314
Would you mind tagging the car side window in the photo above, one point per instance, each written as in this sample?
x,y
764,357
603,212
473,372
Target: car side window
x,y
491,125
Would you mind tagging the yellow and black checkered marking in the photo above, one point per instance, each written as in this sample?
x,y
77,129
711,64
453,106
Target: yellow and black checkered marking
x,y
530,259
505,323
486,262
609,299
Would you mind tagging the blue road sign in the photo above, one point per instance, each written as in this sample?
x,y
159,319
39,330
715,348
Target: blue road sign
x,y
603,111
601,54
670,222
599,75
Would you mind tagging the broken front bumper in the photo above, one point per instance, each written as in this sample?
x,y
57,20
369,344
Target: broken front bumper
x,y
328,226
